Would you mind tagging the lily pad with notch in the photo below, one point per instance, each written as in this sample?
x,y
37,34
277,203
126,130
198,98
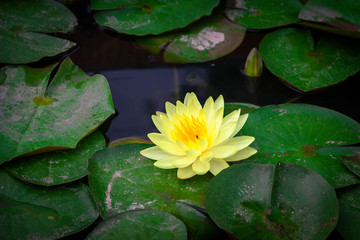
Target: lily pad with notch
x,y
292,55
285,201
150,16
38,116
208,39
120,179
262,14
57,167
140,224
24,28
32,212
299,134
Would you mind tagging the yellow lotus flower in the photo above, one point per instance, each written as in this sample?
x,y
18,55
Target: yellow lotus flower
x,y
198,139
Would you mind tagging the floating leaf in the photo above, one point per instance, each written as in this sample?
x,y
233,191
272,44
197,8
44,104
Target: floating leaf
x,y
299,134
30,212
259,14
206,40
344,15
286,201
151,16
349,215
245,107
292,55
37,117
23,24
57,167
140,224
352,162
120,179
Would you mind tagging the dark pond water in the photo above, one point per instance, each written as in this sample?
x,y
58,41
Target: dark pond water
x,y
141,83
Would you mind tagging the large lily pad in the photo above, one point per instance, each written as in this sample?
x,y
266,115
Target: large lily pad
x,y
208,39
23,24
292,55
300,134
260,14
36,117
344,15
57,167
120,179
349,215
30,212
286,201
150,16
140,224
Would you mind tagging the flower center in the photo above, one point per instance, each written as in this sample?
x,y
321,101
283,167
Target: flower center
x,y
190,130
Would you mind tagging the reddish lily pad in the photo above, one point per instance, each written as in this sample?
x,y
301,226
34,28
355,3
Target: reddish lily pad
x,y
292,55
23,26
260,14
120,179
299,134
57,167
206,40
37,117
285,201
31,212
344,15
150,16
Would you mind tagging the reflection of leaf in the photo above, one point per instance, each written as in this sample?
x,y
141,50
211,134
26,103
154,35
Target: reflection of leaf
x,y
285,201
57,167
258,14
23,24
299,134
36,117
151,16
344,15
120,179
291,55
206,40
43,213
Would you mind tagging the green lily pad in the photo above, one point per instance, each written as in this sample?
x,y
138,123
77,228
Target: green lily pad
x,y
120,179
57,167
286,201
23,26
349,215
140,224
344,15
292,55
260,14
352,162
205,40
31,212
299,134
37,117
150,16
245,107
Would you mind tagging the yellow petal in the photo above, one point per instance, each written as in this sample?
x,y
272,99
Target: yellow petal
x,y
182,162
181,108
223,151
217,165
203,144
209,109
170,110
165,144
193,153
200,167
193,109
219,103
191,97
227,127
240,124
206,156
239,142
154,153
184,173
166,163
242,154
158,123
